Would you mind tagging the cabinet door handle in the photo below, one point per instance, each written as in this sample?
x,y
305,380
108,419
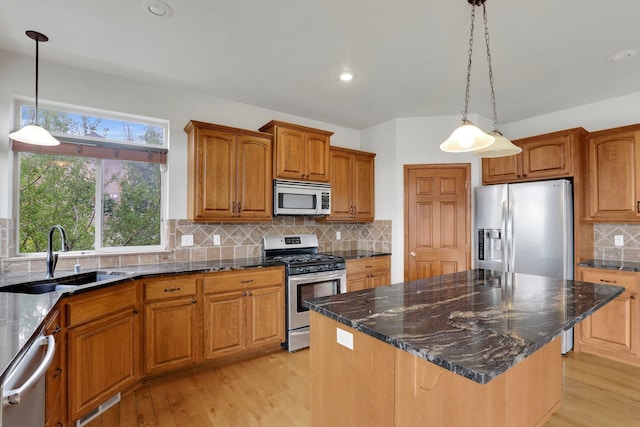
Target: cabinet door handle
x,y
57,329
368,266
233,207
638,206
608,281
246,281
239,206
172,289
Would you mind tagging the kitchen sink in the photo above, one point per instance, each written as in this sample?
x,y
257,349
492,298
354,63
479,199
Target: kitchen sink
x,y
61,283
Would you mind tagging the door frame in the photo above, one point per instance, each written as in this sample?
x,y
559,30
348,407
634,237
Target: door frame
x,y
467,172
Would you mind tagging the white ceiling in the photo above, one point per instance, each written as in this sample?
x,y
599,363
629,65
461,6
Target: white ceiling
x,y
408,56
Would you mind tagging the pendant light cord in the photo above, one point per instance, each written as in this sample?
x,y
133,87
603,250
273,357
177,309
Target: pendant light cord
x,y
465,113
493,93
37,56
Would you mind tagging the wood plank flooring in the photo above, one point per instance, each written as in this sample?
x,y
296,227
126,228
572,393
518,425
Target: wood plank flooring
x,y
273,390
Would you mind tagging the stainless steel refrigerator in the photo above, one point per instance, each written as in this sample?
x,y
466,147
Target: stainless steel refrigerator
x,y
526,228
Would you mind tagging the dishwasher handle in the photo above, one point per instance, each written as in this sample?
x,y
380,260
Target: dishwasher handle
x,y
12,397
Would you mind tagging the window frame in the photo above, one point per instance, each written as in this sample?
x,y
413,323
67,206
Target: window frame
x,y
89,143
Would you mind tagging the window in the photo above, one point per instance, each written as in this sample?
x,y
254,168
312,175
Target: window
x,y
103,183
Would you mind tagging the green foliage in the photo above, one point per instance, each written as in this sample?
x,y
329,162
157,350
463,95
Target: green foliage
x,y
133,219
56,190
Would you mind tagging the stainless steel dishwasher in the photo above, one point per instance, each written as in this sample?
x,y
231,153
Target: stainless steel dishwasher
x,y
23,392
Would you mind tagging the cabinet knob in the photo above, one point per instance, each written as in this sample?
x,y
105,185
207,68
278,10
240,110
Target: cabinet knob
x,y
634,296
135,311
193,301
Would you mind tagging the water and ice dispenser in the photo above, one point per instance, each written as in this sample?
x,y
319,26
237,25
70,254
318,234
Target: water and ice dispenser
x,y
490,244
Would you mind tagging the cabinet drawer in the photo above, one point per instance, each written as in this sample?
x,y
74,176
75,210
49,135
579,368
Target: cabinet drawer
x,y
368,265
164,289
96,304
229,281
628,280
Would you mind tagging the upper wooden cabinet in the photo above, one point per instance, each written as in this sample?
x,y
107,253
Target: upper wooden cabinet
x,y
614,174
301,153
229,174
552,155
352,185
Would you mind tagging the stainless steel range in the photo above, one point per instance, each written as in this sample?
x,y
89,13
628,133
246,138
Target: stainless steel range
x,y
309,275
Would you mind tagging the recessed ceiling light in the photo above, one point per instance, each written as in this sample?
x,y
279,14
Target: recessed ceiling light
x,y
623,56
346,77
157,8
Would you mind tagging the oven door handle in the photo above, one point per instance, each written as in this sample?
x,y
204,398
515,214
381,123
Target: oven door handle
x,y
313,277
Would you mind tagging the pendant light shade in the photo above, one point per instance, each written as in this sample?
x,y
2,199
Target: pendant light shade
x,y
34,134
501,148
466,138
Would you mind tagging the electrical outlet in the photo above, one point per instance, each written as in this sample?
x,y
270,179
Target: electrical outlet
x,y
187,240
338,235
216,239
618,240
344,338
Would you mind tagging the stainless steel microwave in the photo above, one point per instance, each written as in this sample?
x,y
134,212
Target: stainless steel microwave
x,y
301,198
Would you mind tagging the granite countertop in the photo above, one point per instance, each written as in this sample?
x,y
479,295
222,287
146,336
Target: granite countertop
x,y
22,315
611,264
357,253
476,323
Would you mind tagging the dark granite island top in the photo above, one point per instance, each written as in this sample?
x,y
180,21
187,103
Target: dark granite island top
x,y
476,323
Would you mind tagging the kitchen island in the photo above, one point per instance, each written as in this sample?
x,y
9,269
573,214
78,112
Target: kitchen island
x,y
472,348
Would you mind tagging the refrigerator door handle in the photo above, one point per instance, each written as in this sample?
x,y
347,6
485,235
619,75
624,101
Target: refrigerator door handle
x,y
511,238
506,249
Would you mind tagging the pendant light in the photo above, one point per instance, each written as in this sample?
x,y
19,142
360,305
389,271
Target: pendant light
x,y
469,137
34,134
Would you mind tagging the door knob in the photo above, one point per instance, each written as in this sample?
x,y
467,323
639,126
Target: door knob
x,y
412,253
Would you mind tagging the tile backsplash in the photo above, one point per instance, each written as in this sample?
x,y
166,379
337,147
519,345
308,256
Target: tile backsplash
x,y
236,241
604,242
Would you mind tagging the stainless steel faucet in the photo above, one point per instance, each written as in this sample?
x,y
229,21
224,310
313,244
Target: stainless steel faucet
x,y
52,259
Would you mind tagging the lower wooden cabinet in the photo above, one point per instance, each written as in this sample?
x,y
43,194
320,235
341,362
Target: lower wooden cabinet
x,y
111,343
612,331
103,333
243,311
365,273
171,333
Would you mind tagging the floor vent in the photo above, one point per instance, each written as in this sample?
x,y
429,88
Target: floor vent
x,y
97,411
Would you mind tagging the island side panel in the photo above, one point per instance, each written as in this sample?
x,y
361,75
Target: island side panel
x,y
428,395
534,387
350,387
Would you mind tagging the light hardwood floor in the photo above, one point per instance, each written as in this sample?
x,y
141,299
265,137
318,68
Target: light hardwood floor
x,y
273,390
